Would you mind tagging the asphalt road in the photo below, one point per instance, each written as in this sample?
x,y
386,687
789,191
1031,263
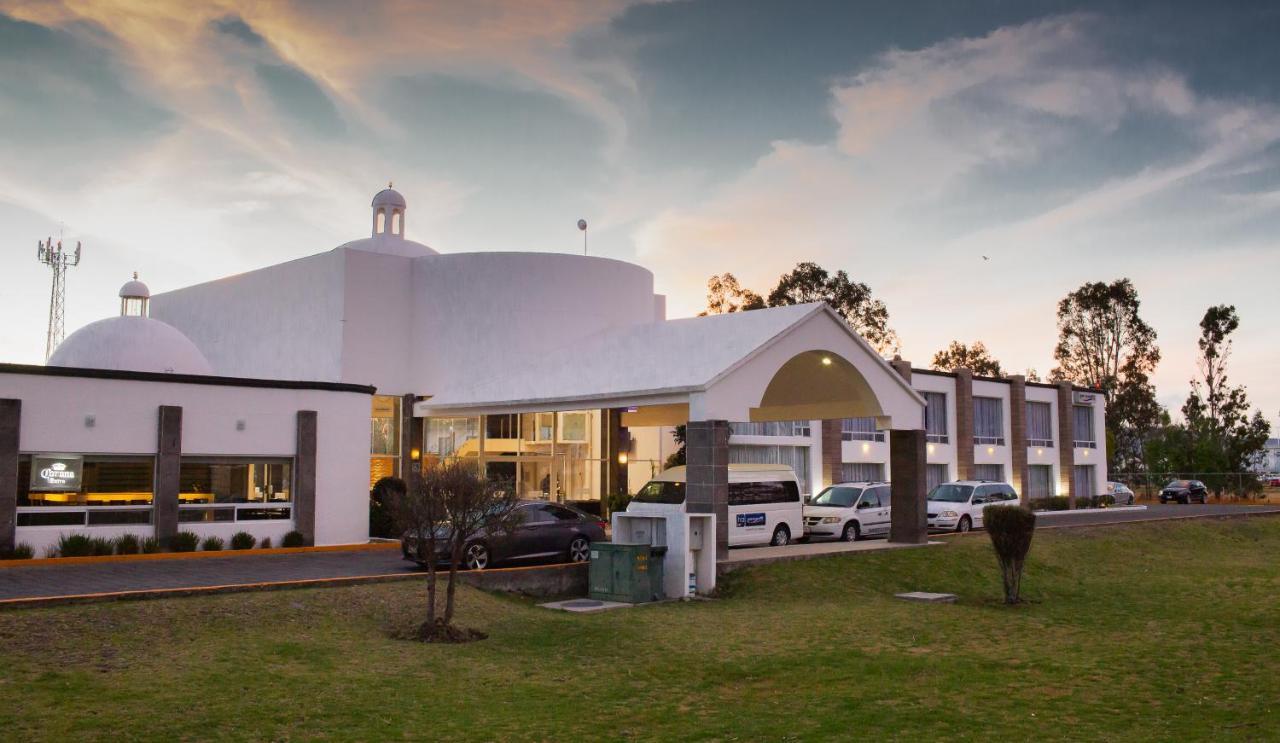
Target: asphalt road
x,y
41,579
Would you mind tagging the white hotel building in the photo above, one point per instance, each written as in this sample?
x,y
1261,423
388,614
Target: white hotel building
x,y
297,385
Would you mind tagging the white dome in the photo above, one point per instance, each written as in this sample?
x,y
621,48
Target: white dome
x,y
131,343
388,197
135,290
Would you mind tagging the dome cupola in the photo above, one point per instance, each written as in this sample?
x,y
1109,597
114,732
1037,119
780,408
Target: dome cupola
x,y
131,342
388,229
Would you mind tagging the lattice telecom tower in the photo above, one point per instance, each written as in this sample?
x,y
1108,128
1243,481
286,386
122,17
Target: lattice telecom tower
x,y
53,256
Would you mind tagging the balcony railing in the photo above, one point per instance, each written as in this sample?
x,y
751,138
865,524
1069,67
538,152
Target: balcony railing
x,y
989,440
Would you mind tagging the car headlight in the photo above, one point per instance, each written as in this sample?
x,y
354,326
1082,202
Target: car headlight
x,y
949,514
830,519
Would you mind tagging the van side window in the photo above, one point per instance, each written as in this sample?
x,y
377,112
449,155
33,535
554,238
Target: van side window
x,y
871,498
885,494
760,493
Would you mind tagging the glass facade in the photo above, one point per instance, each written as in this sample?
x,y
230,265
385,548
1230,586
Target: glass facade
x,y
384,438
105,490
234,490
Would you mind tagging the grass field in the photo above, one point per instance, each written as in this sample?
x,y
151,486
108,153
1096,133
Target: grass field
x,y
1152,631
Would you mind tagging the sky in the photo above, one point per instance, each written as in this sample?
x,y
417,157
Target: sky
x,y
972,161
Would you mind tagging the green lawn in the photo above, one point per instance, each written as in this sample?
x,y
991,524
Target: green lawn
x,y
1154,631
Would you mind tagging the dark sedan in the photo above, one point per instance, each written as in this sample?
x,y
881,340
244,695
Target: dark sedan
x,y
1184,492
544,532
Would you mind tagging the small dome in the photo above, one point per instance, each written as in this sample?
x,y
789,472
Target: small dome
x,y
388,197
135,289
131,343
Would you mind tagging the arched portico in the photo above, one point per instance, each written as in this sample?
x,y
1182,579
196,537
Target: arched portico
x,y
800,362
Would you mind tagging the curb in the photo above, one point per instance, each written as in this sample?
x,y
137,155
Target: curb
x,y
91,560
142,594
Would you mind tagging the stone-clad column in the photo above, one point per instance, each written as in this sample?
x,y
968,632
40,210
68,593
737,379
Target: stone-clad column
x,y
168,472
908,518
1066,443
10,428
304,477
964,423
706,446
1018,432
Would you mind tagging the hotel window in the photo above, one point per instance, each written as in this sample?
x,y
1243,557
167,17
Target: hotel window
x,y
1040,481
99,490
935,417
797,457
1083,475
862,472
860,429
770,428
234,490
384,438
451,437
988,420
1039,424
935,475
1084,427
992,472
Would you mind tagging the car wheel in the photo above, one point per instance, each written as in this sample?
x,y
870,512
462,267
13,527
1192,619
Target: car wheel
x,y
1129,502
476,556
579,549
851,532
966,524
781,536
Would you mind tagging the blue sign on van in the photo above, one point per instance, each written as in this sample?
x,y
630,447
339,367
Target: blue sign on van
x,y
751,519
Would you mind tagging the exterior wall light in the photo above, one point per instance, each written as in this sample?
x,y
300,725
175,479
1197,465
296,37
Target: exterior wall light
x,y
1039,452
931,448
90,421
622,457
826,361
991,450
415,455
866,448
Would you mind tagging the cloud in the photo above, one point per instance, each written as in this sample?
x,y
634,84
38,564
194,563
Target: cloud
x,y
1029,145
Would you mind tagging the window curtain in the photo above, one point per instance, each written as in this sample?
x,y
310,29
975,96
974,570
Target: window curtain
x,y
797,457
861,472
860,429
1084,422
1039,422
988,418
993,472
935,416
1040,483
769,428
1084,480
935,475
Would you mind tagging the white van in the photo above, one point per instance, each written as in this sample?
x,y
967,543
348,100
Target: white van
x,y
764,502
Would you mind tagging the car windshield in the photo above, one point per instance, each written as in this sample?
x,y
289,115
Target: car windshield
x,y
1178,484
661,491
950,493
837,496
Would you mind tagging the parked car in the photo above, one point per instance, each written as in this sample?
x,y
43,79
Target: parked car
x,y
1184,492
544,532
957,506
764,502
849,511
1121,492
1272,481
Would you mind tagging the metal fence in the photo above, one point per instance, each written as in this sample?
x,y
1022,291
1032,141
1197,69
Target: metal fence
x,y
1222,486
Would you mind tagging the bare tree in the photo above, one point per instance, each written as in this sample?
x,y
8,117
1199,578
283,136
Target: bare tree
x,y
444,513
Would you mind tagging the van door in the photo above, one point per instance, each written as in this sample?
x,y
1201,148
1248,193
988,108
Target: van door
x,y
882,513
748,522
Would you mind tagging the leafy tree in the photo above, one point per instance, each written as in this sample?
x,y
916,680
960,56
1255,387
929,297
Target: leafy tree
x,y
1226,438
676,458
809,282
725,294
868,317
1105,344
976,358
444,512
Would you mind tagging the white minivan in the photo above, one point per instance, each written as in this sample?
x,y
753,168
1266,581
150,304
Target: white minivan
x,y
764,502
849,511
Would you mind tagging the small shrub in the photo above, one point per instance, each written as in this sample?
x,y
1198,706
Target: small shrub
x,y
242,540
382,505
20,551
293,539
212,544
128,544
184,541
150,546
103,546
265,544
1011,529
74,545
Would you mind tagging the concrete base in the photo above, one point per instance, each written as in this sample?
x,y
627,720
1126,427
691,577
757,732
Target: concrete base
x,y
585,606
925,597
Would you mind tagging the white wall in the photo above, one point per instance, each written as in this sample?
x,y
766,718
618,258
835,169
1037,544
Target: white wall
x,y
279,322
486,314
126,412
377,322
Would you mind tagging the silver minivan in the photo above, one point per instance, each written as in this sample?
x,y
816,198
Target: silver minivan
x,y
849,511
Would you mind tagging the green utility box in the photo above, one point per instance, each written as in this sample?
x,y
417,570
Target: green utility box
x,y
630,573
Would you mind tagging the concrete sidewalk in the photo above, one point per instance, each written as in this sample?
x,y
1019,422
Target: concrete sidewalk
x,y
748,556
